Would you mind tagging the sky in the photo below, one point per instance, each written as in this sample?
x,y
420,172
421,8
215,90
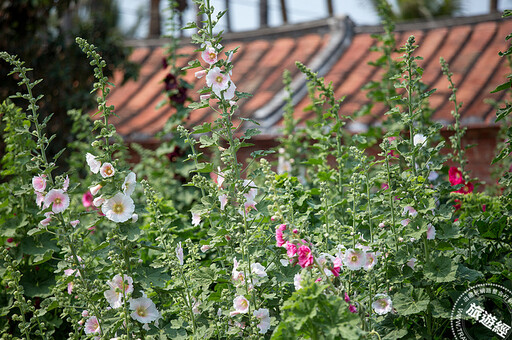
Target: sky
x,y
244,13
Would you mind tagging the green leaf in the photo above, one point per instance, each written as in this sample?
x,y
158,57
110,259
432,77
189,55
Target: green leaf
x,y
406,304
503,86
203,128
466,274
441,269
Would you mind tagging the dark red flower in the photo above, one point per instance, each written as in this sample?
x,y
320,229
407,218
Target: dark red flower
x,y
455,176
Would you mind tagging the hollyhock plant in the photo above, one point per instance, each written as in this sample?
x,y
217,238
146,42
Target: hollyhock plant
x,y
409,210
223,201
236,275
455,176
466,189
107,170
58,199
144,310
92,326
305,256
95,189
263,315
118,208
94,164
196,219
118,289
47,219
241,305
355,259
419,139
412,262
39,183
291,249
279,235
371,261
39,199
259,272
98,201
382,304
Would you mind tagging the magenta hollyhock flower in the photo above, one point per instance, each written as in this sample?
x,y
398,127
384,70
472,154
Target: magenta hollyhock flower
x,y
58,199
455,176
305,256
39,183
347,298
466,189
107,170
352,309
217,80
279,235
337,264
291,249
87,199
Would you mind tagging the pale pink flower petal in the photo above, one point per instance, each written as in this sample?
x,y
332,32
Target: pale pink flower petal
x,y
92,326
200,74
114,294
205,247
94,190
297,279
355,259
58,199
217,80
209,55
411,263
98,201
204,97
382,304
431,232
39,183
94,164
129,183
74,223
65,186
371,261
107,170
241,304
263,315
39,199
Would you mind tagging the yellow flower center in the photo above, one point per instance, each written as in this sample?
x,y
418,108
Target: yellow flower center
x,y
212,55
354,258
118,208
219,79
244,304
141,311
108,171
57,201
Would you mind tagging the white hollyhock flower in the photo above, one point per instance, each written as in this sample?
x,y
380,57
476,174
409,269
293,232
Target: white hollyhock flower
x,y
241,305
129,183
258,270
94,164
144,310
179,253
355,259
107,170
419,139
264,317
94,190
114,295
382,304
119,208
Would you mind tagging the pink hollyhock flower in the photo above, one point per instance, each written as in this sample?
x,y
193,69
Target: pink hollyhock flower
x,y
431,232
179,253
94,164
10,240
217,80
347,298
241,305
85,313
236,275
39,199
355,259
107,170
200,74
196,219
118,208
223,201
382,304
95,189
98,201
382,225
297,280
249,205
70,287
405,222
129,183
283,165
411,263
279,235
455,176
305,256
65,186
87,199
230,93
409,211
205,247
39,183
337,264
58,199
484,207
74,223
92,326
466,189
371,261
291,249
204,97
352,309
295,231
144,310
209,55
263,315
384,186
118,289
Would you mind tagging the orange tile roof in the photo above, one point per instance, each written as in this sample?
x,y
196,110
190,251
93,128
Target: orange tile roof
x,y
337,50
